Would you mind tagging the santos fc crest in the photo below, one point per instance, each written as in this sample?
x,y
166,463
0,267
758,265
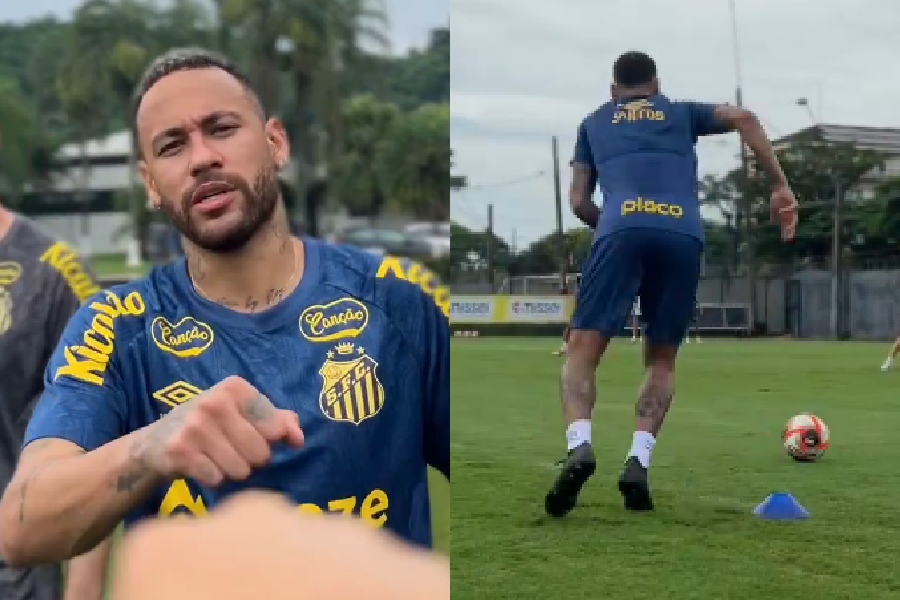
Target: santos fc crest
x,y
351,391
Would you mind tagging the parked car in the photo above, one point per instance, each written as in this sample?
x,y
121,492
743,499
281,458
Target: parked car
x,y
431,239
377,241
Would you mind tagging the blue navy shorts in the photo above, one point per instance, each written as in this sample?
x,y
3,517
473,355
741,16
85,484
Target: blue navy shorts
x,y
661,267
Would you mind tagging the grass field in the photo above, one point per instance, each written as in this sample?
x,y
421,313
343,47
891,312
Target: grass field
x,y
718,456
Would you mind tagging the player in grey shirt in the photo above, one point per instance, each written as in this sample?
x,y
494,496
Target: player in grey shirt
x,y
42,283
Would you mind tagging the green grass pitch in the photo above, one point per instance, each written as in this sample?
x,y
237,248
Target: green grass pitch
x,y
718,455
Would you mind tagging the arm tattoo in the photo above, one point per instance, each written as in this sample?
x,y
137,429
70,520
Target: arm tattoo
x,y
34,447
251,304
23,497
137,470
258,408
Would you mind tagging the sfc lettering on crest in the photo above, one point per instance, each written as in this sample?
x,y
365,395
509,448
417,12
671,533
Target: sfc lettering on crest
x,y
351,391
186,338
9,274
343,318
88,362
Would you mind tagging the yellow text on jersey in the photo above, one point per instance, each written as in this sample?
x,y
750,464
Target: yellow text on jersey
x,y
645,205
64,260
637,110
418,275
371,509
87,361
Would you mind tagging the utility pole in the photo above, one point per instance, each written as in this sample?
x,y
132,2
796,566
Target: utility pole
x,y
836,252
746,199
559,225
489,234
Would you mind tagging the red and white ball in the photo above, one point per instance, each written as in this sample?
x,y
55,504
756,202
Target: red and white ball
x,y
806,437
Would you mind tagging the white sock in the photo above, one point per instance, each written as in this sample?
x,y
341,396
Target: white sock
x,y
578,433
642,447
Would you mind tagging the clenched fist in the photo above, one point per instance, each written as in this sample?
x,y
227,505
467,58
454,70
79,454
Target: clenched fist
x,y
221,434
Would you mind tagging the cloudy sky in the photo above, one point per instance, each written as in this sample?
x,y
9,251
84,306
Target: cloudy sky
x,y
525,70
411,20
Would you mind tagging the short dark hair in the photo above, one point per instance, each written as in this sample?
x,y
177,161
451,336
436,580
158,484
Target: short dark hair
x,y
186,59
633,69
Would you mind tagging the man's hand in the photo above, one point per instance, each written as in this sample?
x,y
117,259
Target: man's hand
x,y
221,434
784,211
256,545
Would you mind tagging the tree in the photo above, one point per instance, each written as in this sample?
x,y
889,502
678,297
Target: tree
x,y
422,75
542,257
358,171
457,182
470,254
307,58
815,171
21,141
416,163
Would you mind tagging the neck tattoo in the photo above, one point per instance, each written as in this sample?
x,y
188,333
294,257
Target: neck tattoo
x,y
273,295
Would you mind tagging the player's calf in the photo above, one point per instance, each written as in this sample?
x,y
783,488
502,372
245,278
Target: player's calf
x,y
653,404
578,395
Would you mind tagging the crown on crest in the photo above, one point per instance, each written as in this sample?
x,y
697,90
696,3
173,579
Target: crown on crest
x,y
344,348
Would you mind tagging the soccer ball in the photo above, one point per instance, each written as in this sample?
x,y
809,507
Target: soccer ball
x,y
806,437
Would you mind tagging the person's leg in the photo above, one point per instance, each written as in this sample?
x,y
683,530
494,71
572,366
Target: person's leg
x,y
608,286
671,271
565,342
889,361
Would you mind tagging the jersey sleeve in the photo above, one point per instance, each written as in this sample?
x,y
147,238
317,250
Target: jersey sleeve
x,y
422,307
83,399
704,121
66,298
436,338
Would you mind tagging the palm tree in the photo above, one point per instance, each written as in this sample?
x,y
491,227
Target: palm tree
x,y
312,43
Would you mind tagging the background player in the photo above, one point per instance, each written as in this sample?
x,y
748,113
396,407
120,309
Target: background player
x,y
693,326
169,393
640,147
636,320
42,283
889,361
565,336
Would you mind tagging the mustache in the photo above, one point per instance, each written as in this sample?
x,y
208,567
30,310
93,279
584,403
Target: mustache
x,y
235,181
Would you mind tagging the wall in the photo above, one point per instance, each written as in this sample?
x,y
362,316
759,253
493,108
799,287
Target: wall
x,y
108,233
800,304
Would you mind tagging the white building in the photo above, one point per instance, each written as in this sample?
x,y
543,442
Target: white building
x,y
86,200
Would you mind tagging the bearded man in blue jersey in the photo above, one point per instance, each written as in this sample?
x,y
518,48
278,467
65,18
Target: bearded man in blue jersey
x,y
639,150
260,361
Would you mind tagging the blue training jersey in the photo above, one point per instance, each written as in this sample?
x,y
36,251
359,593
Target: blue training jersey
x,y
359,350
641,153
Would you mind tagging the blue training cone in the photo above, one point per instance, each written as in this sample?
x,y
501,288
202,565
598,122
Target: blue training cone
x,y
780,505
